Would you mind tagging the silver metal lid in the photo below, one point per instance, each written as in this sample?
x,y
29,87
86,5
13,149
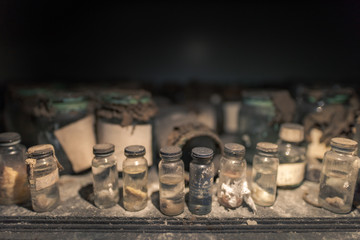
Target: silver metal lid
x,y
9,138
171,151
103,149
134,150
267,147
202,152
234,149
343,143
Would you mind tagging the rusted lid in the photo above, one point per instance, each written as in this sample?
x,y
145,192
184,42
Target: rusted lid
x,y
103,149
267,147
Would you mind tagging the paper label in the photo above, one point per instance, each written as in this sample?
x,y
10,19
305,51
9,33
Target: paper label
x,y
122,137
290,174
231,115
77,139
46,181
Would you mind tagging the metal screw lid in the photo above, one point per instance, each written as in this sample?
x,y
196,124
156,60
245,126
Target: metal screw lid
x,y
134,150
9,138
234,149
103,149
292,132
40,150
171,151
343,143
267,147
202,152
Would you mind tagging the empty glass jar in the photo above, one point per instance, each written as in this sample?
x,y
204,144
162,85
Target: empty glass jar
x,y
171,177
105,176
14,186
338,176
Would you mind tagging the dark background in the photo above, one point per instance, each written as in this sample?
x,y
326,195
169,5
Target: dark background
x,y
225,43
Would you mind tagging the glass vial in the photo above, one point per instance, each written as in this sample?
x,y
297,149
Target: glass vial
x,y
43,177
135,176
105,176
171,177
292,163
338,176
14,187
232,176
201,180
264,171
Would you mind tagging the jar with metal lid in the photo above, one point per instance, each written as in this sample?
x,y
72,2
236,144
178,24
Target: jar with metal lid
x,y
232,176
264,171
64,121
135,178
171,178
338,176
126,113
43,177
201,180
105,176
292,163
14,186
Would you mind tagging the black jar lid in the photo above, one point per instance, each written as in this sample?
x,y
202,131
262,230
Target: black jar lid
x,y
202,152
134,151
171,151
103,149
234,149
9,138
42,150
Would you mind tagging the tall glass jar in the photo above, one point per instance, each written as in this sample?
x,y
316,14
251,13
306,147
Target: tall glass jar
x,y
105,176
43,177
338,176
264,171
171,177
201,180
135,177
232,176
292,164
14,186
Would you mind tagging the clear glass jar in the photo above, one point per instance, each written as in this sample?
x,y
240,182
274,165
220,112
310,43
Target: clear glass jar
x,y
338,176
14,187
292,163
105,176
135,178
264,171
232,176
43,177
171,178
201,180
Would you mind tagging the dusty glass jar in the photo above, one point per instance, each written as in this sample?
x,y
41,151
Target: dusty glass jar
x,y
171,178
43,177
105,176
338,176
264,171
292,163
232,176
14,187
201,180
135,178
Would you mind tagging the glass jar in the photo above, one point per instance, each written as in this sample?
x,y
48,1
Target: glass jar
x,y
264,171
292,163
201,180
14,186
232,176
171,178
255,120
105,176
43,177
135,177
338,176
127,114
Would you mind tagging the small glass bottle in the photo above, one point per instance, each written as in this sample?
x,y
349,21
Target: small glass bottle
x,y
232,176
135,174
338,176
264,171
14,187
43,177
105,176
292,164
171,177
201,180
